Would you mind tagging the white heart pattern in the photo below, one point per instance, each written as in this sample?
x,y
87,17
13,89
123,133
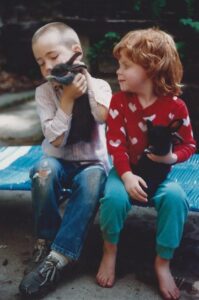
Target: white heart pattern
x,y
142,126
186,121
171,116
192,145
134,140
115,143
132,107
123,130
150,118
114,113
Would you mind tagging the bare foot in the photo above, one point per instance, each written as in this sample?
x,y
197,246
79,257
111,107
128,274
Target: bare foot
x,y
106,272
167,284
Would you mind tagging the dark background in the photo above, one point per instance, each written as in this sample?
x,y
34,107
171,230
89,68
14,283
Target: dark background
x,y
94,18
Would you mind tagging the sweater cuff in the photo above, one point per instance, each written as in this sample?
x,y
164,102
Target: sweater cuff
x,y
122,168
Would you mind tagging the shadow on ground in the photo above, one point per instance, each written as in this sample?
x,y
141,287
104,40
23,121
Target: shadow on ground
x,y
135,258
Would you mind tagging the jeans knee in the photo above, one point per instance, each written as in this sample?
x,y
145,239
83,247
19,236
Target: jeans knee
x,y
91,181
44,171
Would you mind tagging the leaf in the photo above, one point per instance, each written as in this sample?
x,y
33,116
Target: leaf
x,y
189,22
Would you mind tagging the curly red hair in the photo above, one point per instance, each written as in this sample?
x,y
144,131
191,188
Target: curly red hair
x,y
156,52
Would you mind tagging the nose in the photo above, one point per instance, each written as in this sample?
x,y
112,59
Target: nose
x,y
48,67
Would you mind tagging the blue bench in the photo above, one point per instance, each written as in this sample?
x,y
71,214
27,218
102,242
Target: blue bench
x,y
16,161
15,164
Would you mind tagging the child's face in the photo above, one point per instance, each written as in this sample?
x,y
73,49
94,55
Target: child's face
x,y
131,77
49,51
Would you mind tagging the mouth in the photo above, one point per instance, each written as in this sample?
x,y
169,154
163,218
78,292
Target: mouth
x,y
121,80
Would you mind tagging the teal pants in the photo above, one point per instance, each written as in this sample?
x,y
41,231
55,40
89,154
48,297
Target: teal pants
x,y
169,201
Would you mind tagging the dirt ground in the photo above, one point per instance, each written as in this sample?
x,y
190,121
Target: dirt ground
x,y
16,240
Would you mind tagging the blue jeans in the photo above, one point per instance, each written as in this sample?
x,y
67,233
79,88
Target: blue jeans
x,y
51,178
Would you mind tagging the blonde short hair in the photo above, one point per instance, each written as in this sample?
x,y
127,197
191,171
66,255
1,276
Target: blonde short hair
x,y
156,52
68,35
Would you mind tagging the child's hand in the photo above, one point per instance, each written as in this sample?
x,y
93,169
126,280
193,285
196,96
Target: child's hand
x,y
88,78
76,89
71,92
169,158
133,185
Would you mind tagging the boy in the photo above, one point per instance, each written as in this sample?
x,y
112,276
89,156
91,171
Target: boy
x,y
80,167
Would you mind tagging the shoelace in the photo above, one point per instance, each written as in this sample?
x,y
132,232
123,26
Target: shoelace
x,y
49,270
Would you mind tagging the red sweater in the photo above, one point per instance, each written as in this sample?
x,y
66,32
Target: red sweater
x,y
127,130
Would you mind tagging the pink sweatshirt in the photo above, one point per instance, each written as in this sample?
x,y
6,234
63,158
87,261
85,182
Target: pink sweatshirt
x,y
55,122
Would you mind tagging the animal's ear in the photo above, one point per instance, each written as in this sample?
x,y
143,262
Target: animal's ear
x,y
149,124
175,125
73,58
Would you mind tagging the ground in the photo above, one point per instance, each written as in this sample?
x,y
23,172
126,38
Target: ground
x,y
16,231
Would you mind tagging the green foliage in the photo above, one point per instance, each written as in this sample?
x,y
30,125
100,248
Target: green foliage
x,y
155,8
185,15
103,47
137,5
189,22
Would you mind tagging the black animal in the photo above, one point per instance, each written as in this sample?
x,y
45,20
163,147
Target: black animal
x,y
83,123
160,140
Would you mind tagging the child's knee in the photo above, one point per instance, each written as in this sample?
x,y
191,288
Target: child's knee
x,y
174,191
175,196
44,170
115,202
91,178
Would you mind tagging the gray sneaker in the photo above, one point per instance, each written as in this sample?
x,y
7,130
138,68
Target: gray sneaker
x,y
41,280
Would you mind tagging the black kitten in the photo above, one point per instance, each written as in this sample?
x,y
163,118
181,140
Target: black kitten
x,y
160,140
83,122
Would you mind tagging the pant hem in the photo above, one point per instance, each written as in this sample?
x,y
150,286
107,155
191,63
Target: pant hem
x,y
65,252
165,252
112,238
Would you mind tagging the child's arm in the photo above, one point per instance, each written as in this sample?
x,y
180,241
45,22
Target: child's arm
x,y
100,95
183,151
118,148
56,122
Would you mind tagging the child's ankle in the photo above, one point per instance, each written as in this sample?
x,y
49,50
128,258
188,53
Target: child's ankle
x,y
159,261
110,248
